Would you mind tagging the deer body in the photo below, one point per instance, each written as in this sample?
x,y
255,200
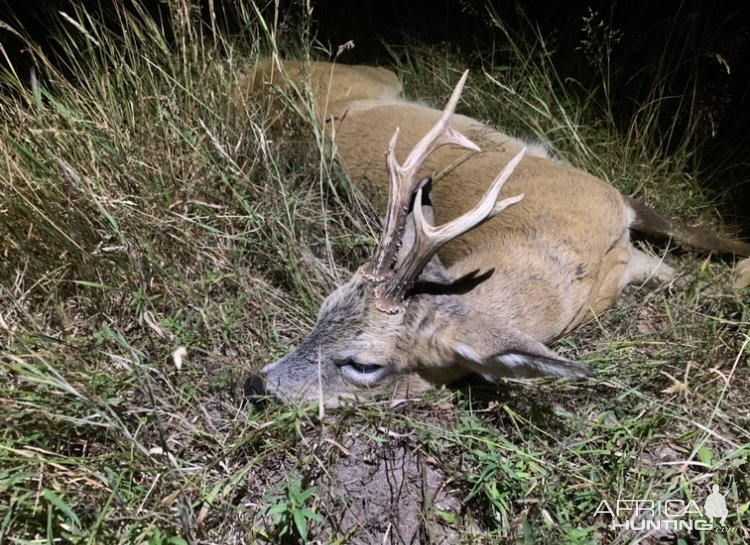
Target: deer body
x,y
551,252
498,292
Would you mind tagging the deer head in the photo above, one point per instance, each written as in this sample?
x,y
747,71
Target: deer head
x,y
402,321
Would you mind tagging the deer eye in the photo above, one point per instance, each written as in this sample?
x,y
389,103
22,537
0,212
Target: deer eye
x,y
361,373
364,368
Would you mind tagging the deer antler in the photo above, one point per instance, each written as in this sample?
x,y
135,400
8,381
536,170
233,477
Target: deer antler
x,y
395,279
404,182
429,239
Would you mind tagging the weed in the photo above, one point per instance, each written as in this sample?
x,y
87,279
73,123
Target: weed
x,y
291,517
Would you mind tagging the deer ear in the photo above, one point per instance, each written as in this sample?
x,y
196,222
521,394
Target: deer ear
x,y
506,352
521,364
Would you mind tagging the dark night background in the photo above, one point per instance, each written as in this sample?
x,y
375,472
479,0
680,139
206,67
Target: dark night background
x,y
705,46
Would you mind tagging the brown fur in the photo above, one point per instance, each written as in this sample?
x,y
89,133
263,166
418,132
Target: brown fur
x,y
557,258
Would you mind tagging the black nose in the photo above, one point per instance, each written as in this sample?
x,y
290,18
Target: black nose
x,y
255,392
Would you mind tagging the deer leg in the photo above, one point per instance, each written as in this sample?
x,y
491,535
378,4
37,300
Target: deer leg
x,y
621,266
742,274
645,269
607,286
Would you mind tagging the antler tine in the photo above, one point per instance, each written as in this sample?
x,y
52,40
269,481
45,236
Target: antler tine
x,y
441,134
404,182
429,239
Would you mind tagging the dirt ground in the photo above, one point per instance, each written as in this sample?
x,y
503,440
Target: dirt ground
x,y
375,488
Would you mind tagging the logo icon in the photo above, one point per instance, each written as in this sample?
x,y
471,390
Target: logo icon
x,y
671,514
716,506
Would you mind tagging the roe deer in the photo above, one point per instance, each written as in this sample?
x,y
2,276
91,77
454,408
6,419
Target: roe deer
x,y
504,268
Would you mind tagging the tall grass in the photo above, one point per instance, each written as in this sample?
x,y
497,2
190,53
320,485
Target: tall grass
x,y
649,158
153,204
145,208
